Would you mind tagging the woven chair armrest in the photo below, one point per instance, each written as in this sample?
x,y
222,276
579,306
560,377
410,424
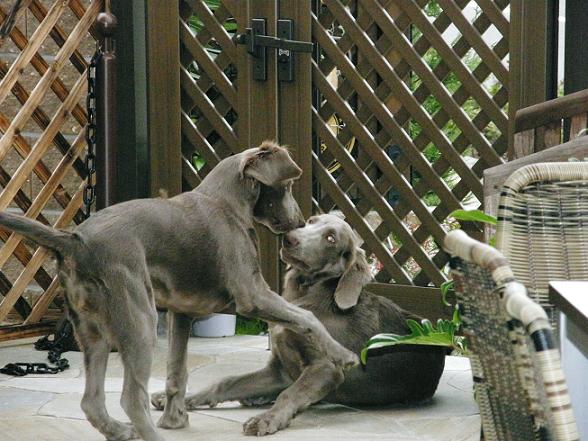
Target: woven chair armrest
x,y
459,244
516,302
546,171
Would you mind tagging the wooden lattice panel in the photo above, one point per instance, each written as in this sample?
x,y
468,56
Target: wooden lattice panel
x,y
208,75
43,87
377,129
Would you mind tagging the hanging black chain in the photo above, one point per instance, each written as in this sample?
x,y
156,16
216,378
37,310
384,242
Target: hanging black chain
x,y
91,131
63,341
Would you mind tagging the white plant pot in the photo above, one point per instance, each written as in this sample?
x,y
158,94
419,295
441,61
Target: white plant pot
x,y
215,325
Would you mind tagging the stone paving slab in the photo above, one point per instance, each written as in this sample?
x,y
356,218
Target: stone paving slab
x,y
47,408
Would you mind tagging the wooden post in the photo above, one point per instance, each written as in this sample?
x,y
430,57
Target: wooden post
x,y
575,59
131,123
262,113
533,56
163,96
148,98
296,127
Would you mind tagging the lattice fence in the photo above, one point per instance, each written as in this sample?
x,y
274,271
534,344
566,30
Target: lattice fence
x,y
412,109
208,75
42,118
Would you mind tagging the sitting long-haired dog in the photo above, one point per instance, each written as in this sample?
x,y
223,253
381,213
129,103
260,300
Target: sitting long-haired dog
x,y
327,275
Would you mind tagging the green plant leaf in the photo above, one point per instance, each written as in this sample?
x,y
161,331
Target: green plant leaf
x,y
446,287
424,334
473,216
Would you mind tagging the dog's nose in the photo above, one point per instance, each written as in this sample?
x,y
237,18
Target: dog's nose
x,y
289,241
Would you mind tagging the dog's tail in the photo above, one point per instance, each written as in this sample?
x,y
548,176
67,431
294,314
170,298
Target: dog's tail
x,y
58,241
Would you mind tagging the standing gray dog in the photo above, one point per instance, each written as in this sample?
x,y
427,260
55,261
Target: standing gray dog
x,y
327,275
194,254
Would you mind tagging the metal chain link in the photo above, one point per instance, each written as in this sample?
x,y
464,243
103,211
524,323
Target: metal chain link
x,y
91,130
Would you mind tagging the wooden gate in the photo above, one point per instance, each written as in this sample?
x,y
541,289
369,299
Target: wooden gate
x,y
42,118
408,108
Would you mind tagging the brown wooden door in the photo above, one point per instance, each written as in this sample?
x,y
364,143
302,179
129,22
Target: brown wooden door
x,y
224,110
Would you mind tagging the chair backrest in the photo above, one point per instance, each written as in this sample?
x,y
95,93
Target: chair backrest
x,y
543,226
519,384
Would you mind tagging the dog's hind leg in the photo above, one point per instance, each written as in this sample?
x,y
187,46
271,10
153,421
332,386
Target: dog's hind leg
x,y
316,382
137,355
135,339
96,352
174,415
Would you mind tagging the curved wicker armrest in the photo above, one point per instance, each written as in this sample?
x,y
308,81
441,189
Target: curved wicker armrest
x,y
508,300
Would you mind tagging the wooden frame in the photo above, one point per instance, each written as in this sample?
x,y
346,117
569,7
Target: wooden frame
x,y
37,317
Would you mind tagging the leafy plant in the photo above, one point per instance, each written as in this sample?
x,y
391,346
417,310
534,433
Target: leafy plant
x,y
246,326
422,334
473,216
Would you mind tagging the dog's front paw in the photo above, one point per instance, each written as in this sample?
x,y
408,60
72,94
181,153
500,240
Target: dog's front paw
x,y
264,424
345,359
158,400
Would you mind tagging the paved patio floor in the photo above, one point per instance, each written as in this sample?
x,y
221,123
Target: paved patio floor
x,y
47,407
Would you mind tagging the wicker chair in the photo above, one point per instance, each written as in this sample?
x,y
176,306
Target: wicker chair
x,y
543,226
519,384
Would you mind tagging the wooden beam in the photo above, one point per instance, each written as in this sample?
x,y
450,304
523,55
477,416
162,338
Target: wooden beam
x,y
262,113
163,96
533,56
426,302
296,127
494,177
551,111
26,331
131,90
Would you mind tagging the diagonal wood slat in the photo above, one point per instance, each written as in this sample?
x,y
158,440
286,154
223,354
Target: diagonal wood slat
x,y
42,143
384,57
437,88
38,257
216,120
54,174
38,37
412,105
378,202
207,64
41,199
475,39
209,104
384,162
47,79
383,114
495,15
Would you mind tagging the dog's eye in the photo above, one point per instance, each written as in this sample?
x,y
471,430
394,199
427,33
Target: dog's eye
x,y
310,221
330,238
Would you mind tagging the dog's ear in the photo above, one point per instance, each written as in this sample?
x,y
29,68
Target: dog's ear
x,y
357,275
269,164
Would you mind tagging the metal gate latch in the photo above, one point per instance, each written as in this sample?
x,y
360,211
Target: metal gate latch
x,y
257,42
